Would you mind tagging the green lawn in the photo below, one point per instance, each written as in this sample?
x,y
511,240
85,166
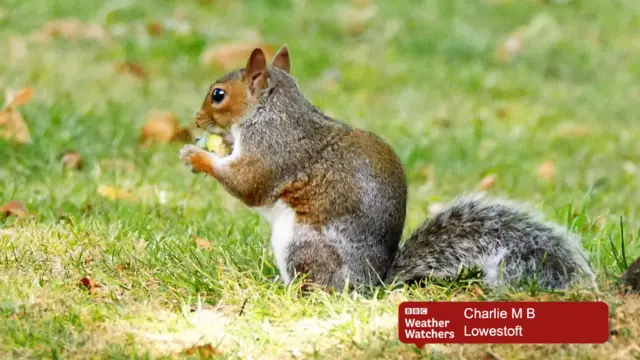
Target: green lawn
x,y
426,76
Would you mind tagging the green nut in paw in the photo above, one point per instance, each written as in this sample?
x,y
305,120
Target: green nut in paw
x,y
213,143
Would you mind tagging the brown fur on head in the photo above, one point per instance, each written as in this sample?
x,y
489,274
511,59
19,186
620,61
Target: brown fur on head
x,y
230,96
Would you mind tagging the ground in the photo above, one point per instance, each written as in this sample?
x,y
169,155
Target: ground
x,y
532,100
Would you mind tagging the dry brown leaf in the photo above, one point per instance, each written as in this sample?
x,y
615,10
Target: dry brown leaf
x,y
202,243
476,291
65,28
90,284
160,127
487,182
233,55
185,136
15,129
155,28
206,351
572,130
132,69
547,171
15,99
113,193
71,160
490,356
14,208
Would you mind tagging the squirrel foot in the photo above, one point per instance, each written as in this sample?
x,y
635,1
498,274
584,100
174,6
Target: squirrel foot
x,y
198,159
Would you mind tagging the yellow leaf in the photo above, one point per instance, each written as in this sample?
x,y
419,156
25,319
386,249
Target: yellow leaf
x,y
487,182
113,193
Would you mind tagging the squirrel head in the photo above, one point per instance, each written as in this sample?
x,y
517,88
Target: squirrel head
x,y
231,97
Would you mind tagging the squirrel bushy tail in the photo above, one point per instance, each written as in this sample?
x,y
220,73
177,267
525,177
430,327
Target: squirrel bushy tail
x,y
503,239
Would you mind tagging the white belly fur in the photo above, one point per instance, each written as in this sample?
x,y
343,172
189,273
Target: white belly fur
x,y
282,219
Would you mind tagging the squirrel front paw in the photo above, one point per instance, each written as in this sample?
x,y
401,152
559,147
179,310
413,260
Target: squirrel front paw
x,y
199,160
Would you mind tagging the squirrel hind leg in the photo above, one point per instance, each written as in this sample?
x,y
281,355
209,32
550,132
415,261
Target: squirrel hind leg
x,y
309,255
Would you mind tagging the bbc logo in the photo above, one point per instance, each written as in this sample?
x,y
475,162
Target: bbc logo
x,y
415,311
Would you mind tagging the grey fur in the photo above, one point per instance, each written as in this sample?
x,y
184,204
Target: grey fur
x,y
298,142
301,142
506,241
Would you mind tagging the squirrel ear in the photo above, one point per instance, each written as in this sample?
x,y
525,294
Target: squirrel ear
x,y
255,73
281,59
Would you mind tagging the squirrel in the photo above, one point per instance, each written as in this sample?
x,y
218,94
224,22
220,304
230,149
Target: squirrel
x,y
335,196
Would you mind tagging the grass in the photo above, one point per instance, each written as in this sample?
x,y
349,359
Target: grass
x,y
423,75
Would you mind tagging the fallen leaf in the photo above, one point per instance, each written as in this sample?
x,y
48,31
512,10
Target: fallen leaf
x,y
113,193
202,243
572,130
90,284
476,291
490,356
487,182
15,128
133,69
185,136
65,28
206,351
71,160
547,171
233,55
155,28
15,208
160,127
15,99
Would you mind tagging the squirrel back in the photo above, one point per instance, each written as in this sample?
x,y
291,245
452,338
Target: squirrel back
x,y
336,196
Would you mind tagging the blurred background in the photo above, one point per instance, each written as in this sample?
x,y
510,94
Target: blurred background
x,y
535,100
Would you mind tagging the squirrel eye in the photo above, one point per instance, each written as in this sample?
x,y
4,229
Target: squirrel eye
x,y
218,95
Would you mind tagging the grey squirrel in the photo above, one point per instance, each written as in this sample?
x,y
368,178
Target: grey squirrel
x,y
336,196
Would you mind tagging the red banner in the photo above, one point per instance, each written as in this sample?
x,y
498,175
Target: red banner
x,y
423,323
